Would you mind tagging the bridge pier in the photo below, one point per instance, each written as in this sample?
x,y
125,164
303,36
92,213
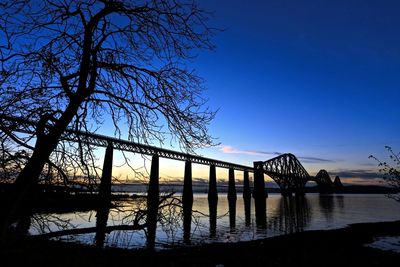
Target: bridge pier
x,y
232,197
187,201
153,196
187,195
259,193
300,191
213,200
286,192
106,175
231,186
105,196
212,187
246,196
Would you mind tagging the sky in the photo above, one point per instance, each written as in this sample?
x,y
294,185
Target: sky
x,y
319,79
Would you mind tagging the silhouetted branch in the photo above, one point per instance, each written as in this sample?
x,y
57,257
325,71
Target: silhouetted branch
x,y
80,64
88,230
390,172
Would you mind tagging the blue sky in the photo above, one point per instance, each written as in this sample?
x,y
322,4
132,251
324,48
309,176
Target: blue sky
x,y
318,79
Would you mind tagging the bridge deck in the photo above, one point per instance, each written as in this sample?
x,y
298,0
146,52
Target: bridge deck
x,y
125,145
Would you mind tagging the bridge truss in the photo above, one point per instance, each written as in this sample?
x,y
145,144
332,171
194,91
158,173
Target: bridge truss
x,y
287,171
27,126
324,181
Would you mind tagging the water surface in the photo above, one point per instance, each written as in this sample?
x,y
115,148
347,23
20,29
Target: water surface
x,y
284,215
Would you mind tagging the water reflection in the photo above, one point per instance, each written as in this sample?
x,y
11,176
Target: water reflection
x,y
247,198
339,201
14,223
247,210
261,215
123,226
326,202
187,223
101,225
23,223
293,215
232,213
213,218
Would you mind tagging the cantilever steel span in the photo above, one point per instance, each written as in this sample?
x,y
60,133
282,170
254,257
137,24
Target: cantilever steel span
x,y
287,171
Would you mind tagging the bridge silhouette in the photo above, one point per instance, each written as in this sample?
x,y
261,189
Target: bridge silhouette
x,y
286,170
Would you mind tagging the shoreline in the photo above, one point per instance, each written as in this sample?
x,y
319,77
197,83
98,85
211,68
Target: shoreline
x,y
337,247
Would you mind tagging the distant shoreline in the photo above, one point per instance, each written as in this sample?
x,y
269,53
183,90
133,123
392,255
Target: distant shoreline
x,y
349,189
140,188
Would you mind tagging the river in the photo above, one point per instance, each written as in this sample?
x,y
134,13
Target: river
x,y
284,215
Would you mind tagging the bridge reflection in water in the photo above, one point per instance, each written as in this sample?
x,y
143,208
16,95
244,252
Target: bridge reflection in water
x,y
288,214
293,215
284,215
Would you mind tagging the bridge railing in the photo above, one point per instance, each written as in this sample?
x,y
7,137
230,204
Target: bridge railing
x,y
125,145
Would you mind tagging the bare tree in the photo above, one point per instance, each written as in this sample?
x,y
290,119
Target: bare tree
x,y
391,171
85,63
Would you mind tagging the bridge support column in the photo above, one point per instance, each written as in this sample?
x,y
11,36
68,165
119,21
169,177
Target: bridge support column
x,y
286,192
152,201
231,186
105,182
259,193
232,197
212,186
300,190
187,201
187,196
213,200
246,196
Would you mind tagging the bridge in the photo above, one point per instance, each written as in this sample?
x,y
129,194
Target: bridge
x,y
286,170
291,177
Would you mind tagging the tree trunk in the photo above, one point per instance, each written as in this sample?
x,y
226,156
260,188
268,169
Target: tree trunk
x,y
45,144
29,176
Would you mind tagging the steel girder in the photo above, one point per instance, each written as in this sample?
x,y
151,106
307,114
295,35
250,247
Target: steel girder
x,y
287,171
8,123
324,182
323,178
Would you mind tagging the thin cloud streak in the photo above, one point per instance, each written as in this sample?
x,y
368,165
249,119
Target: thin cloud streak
x,y
314,159
358,173
232,150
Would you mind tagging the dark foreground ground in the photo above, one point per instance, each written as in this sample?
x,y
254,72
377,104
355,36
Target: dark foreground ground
x,y
342,247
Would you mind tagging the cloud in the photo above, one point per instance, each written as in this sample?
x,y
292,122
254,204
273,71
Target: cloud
x,y
232,150
369,164
358,173
362,181
314,159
